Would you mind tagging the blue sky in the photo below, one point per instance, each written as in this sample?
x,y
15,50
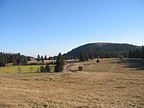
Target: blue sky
x,y
48,27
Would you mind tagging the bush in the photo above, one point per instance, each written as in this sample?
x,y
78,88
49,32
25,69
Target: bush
x,y
42,69
45,68
80,68
97,61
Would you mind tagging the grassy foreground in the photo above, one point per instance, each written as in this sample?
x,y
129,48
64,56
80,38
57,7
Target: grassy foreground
x,y
109,84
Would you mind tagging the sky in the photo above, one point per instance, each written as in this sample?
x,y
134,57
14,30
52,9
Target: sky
x,y
47,27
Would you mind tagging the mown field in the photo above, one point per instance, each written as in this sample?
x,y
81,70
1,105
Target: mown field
x,y
112,83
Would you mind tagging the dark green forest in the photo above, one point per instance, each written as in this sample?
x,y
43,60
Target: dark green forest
x,y
15,59
137,53
100,50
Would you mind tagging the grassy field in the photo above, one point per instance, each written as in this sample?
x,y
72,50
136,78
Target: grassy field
x,y
19,69
112,83
22,71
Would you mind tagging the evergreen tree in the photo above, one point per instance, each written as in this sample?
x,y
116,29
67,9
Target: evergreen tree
x,y
82,57
42,59
59,63
38,58
23,60
91,56
2,61
45,58
86,56
142,52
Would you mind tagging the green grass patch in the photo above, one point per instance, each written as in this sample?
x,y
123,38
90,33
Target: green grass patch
x,y
19,69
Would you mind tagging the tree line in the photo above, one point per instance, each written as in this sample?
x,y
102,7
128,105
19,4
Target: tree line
x,y
15,59
91,54
137,53
84,56
41,58
59,65
133,53
65,57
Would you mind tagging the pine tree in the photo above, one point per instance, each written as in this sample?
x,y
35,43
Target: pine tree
x,y
2,60
59,63
45,58
86,56
38,58
142,52
42,59
23,60
91,56
14,61
82,57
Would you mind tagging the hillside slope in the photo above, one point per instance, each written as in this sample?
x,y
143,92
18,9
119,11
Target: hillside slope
x,y
102,49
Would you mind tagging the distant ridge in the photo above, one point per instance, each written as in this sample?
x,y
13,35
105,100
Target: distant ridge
x,y
102,49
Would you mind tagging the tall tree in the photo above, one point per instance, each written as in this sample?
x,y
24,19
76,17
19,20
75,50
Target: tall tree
x,y
42,59
2,60
59,63
91,55
142,52
45,58
38,58
82,57
86,56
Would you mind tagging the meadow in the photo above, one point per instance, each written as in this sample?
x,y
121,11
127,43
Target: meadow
x,y
23,71
112,83
19,69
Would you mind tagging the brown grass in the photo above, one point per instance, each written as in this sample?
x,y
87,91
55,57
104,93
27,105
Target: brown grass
x,y
105,85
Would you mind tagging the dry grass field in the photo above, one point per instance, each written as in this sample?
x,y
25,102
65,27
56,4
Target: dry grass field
x,y
112,83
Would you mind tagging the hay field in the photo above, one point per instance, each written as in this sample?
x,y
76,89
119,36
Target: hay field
x,y
109,84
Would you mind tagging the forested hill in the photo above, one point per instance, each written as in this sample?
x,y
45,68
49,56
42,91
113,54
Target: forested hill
x,y
101,50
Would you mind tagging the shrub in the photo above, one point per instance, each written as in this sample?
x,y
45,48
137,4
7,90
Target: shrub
x,y
42,69
45,68
97,61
